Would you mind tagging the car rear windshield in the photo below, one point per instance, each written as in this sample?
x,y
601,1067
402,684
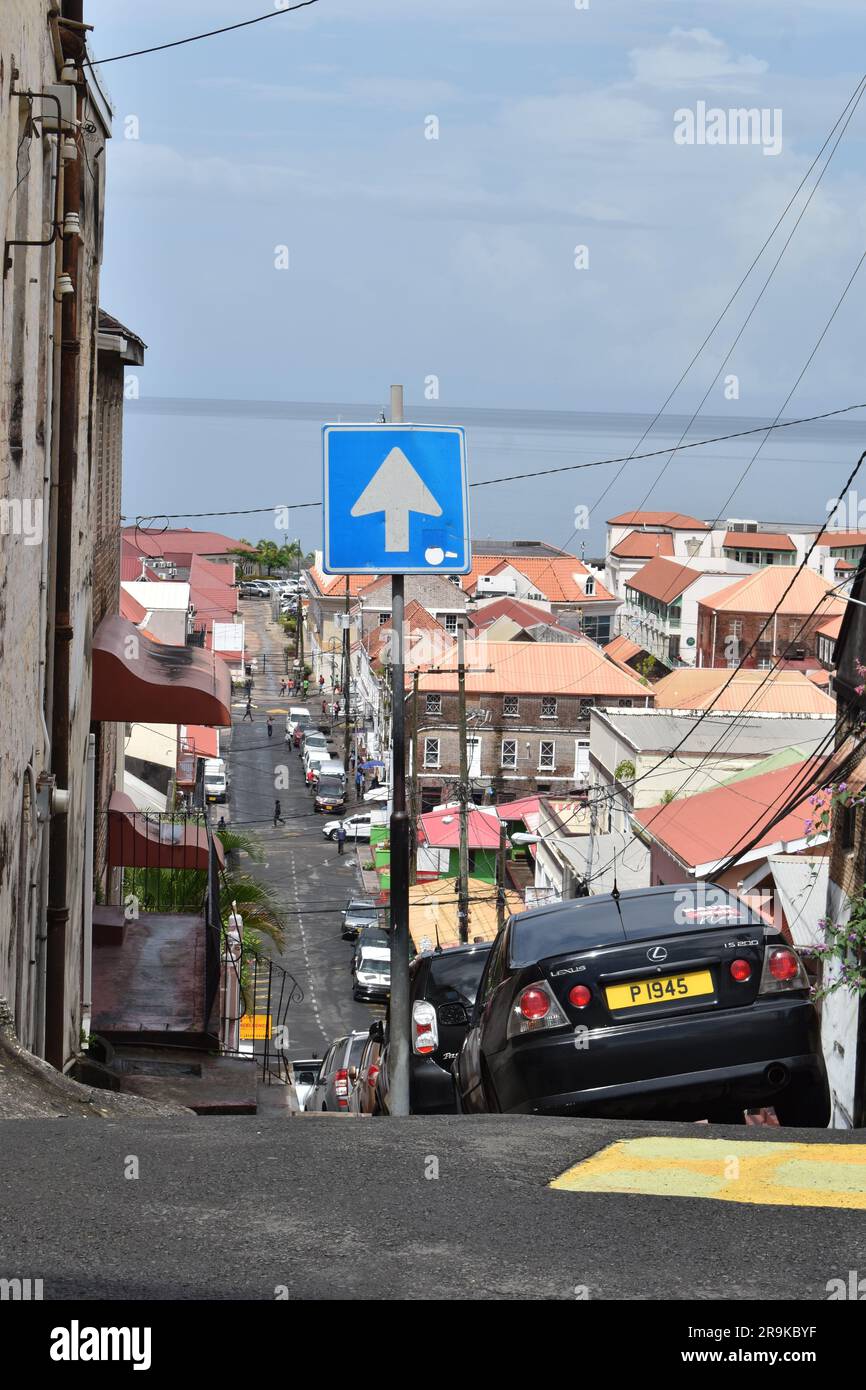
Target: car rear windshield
x,y
453,979
584,923
375,936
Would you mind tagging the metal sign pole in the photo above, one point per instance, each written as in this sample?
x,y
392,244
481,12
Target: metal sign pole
x,y
398,1032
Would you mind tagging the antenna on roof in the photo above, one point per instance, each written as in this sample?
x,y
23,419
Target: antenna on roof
x,y
614,892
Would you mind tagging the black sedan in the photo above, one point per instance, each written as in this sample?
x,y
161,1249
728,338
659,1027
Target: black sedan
x,y
672,1002
442,989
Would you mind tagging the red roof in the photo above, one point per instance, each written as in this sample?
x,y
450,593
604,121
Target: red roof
x,y
676,521
842,540
775,589
441,829
643,545
557,577
710,826
524,614
180,542
131,608
214,599
663,579
757,540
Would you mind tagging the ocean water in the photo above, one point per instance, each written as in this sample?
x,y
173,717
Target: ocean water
x,y
184,457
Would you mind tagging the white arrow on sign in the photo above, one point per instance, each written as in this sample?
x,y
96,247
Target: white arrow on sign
x,y
396,489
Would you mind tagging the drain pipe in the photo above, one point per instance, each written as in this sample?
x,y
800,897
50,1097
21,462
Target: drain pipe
x,y
87,953
47,617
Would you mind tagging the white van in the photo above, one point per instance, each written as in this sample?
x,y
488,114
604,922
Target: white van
x,y
214,779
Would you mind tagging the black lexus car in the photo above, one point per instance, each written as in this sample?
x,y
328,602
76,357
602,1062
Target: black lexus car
x,y
442,987
672,1002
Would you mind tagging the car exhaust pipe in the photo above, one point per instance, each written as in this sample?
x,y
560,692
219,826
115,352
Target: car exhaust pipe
x,y
776,1075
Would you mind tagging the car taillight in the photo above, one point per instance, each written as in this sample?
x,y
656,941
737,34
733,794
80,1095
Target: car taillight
x,y
425,1032
579,996
341,1087
534,1010
740,970
783,970
533,1004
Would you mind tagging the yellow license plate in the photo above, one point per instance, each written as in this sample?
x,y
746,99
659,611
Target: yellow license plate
x,y
663,989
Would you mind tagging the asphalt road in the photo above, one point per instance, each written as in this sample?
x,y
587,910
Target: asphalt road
x,y
336,1207
310,880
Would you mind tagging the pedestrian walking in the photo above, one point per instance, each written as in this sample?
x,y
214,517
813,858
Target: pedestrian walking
x,y
359,784
249,685
248,712
278,814
341,837
375,781
306,687
321,682
352,762
324,707
270,727
283,687
221,823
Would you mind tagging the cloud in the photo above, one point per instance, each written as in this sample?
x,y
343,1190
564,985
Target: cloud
x,y
694,58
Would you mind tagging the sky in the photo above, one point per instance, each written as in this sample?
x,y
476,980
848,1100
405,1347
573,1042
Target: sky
x,y
280,228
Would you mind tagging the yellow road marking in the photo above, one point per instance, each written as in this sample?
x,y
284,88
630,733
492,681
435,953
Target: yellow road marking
x,y
761,1173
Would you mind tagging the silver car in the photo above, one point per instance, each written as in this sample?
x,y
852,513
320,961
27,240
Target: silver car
x,y
333,1085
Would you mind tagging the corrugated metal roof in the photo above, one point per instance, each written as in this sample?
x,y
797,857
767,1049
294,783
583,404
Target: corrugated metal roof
x,y
768,589
663,579
433,912
535,668
782,692
712,825
180,541
839,540
657,731
441,829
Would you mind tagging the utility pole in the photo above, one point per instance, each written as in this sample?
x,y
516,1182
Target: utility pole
x,y
413,785
463,793
299,634
347,680
500,878
399,1010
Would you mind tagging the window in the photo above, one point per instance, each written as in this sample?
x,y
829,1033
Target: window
x,y
450,622
586,705
431,752
849,826
511,706
548,706
624,704
384,618
589,590
509,752
434,704
546,756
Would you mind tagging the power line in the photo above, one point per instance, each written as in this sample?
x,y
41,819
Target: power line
x,y
194,38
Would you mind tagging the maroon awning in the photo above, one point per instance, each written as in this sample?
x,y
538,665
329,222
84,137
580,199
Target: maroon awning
x,y
137,679
149,840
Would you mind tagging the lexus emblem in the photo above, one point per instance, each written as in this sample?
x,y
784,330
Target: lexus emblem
x,y
657,953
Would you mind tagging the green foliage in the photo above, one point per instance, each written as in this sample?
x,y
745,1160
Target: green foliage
x,y
624,771
668,797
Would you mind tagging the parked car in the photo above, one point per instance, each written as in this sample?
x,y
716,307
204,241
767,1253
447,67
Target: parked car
x,y
371,971
330,793
312,738
331,1090
314,758
362,1099
332,767
358,913
442,990
356,827
298,717
306,1074
640,1005
371,935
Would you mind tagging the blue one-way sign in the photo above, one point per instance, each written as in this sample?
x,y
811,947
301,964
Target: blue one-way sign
x,y
395,500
